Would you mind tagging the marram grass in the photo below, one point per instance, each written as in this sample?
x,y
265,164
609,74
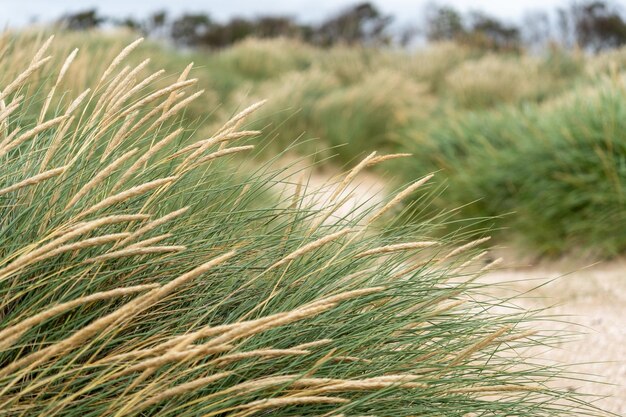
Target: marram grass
x,y
530,119
558,170
142,273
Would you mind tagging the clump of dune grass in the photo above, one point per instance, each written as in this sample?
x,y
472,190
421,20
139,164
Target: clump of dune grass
x,y
142,273
433,63
259,59
554,171
494,79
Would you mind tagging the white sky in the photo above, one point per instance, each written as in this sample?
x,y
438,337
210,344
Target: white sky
x,y
18,12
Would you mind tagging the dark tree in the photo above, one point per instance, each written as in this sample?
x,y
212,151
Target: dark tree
x,y
360,24
156,23
158,19
199,30
191,29
129,23
443,23
597,25
490,33
87,19
219,36
276,26
476,29
153,25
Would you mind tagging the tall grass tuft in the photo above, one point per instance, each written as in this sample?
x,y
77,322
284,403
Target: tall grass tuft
x,y
143,272
494,79
557,170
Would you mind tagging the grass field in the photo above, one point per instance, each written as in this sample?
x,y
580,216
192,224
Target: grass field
x,y
149,268
533,140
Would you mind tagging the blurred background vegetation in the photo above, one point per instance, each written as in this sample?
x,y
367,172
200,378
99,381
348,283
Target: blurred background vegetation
x,y
525,123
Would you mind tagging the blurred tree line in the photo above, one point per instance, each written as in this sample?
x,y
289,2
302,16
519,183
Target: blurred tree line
x,y
590,25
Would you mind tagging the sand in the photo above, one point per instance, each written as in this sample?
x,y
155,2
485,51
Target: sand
x,y
593,301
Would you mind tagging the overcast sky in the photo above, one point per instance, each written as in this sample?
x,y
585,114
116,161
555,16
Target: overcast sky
x,y
19,12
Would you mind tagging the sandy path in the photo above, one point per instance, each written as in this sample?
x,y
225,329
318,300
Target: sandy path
x,y
595,300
